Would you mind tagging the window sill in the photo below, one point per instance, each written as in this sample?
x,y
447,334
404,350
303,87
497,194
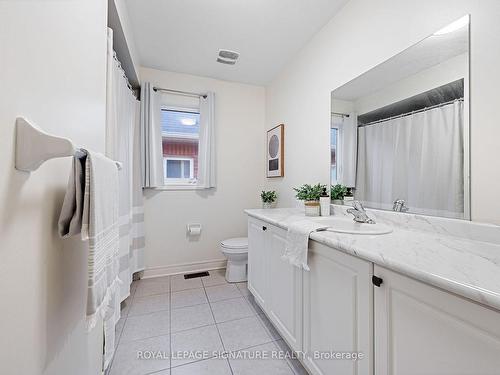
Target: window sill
x,y
179,187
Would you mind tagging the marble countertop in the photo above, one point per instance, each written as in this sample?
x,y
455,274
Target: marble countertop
x,y
459,256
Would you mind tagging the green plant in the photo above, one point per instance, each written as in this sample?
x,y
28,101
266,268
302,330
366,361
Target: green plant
x,y
308,192
338,192
268,196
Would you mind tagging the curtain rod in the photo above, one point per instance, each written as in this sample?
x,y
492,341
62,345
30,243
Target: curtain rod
x,y
340,114
185,93
411,113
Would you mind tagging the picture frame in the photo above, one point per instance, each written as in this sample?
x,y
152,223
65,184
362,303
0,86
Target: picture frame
x,y
275,150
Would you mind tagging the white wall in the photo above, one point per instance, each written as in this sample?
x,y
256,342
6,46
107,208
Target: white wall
x,y
362,35
123,40
240,149
52,70
122,10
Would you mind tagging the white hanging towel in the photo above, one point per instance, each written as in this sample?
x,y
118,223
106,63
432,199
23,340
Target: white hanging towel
x,y
297,242
91,208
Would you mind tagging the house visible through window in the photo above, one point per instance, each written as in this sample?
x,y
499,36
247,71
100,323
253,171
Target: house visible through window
x,y
180,138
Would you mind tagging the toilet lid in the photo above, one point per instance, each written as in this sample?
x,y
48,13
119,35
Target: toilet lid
x,y
235,243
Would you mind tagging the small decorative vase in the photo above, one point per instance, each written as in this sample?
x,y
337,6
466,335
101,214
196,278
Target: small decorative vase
x,y
338,201
267,204
311,208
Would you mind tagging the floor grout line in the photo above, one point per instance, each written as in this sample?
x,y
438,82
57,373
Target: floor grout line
x,y
148,313
150,295
125,317
275,340
287,360
218,331
227,359
203,326
246,297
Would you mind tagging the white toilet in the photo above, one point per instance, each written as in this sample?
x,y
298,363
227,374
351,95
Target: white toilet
x,y
236,252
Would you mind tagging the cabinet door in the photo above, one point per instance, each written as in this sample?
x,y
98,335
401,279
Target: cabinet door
x,y
257,260
422,330
338,311
285,286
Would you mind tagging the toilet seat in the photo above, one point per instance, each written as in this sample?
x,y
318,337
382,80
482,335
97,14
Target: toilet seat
x,y
235,245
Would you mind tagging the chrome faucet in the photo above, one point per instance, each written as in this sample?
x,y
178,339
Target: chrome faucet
x,y
399,205
359,213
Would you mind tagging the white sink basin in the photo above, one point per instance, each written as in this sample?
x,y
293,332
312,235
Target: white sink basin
x,y
344,225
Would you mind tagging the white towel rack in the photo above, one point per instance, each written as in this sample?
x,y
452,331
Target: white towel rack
x,y
34,146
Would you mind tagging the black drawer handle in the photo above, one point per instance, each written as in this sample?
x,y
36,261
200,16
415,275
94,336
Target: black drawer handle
x,y
377,281
264,228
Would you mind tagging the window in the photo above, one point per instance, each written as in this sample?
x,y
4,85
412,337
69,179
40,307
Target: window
x,y
333,155
178,168
180,143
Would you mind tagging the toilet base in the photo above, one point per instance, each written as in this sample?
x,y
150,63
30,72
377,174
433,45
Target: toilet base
x,y
236,272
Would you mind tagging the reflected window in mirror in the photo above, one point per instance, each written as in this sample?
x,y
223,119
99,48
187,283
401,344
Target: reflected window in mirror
x,y
334,131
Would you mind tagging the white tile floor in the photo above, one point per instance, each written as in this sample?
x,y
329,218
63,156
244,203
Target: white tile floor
x,y
172,314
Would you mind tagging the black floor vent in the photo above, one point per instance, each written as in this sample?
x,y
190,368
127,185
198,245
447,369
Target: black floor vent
x,y
197,274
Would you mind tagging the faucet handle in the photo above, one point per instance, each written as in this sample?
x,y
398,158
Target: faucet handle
x,y
357,205
399,205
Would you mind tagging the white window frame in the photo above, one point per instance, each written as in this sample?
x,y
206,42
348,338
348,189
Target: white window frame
x,y
179,183
337,155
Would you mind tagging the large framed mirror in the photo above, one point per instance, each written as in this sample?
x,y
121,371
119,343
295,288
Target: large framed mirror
x,y
400,132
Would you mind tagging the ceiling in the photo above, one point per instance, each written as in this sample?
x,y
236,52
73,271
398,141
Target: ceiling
x,y
429,52
186,35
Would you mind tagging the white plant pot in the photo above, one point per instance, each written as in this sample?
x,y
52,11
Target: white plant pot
x,y
268,204
311,208
338,201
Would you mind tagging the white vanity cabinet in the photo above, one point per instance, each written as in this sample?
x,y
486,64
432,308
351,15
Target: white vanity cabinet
x,y
422,330
337,311
257,261
285,286
327,309
347,304
276,285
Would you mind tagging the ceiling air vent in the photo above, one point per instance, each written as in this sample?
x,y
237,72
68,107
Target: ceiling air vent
x,y
224,61
227,57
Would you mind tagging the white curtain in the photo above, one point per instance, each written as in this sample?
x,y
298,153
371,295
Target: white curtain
x,y
122,144
347,153
151,140
206,157
418,158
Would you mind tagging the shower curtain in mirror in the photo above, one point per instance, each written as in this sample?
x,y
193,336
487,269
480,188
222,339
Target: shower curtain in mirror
x,y
418,158
122,144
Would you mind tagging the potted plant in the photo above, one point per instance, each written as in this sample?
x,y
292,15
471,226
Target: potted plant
x,y
310,195
268,198
337,193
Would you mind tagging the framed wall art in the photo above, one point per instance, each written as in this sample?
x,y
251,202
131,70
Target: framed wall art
x,y
275,151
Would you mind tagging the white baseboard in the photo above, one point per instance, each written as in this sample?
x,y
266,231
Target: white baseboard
x,y
176,269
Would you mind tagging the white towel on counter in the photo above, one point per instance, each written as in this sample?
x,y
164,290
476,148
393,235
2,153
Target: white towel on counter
x,y
91,208
297,242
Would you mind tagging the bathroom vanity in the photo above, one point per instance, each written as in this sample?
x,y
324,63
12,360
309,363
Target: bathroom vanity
x,y
423,299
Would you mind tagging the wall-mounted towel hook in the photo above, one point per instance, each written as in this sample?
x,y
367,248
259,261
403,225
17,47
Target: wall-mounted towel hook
x,y
34,146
